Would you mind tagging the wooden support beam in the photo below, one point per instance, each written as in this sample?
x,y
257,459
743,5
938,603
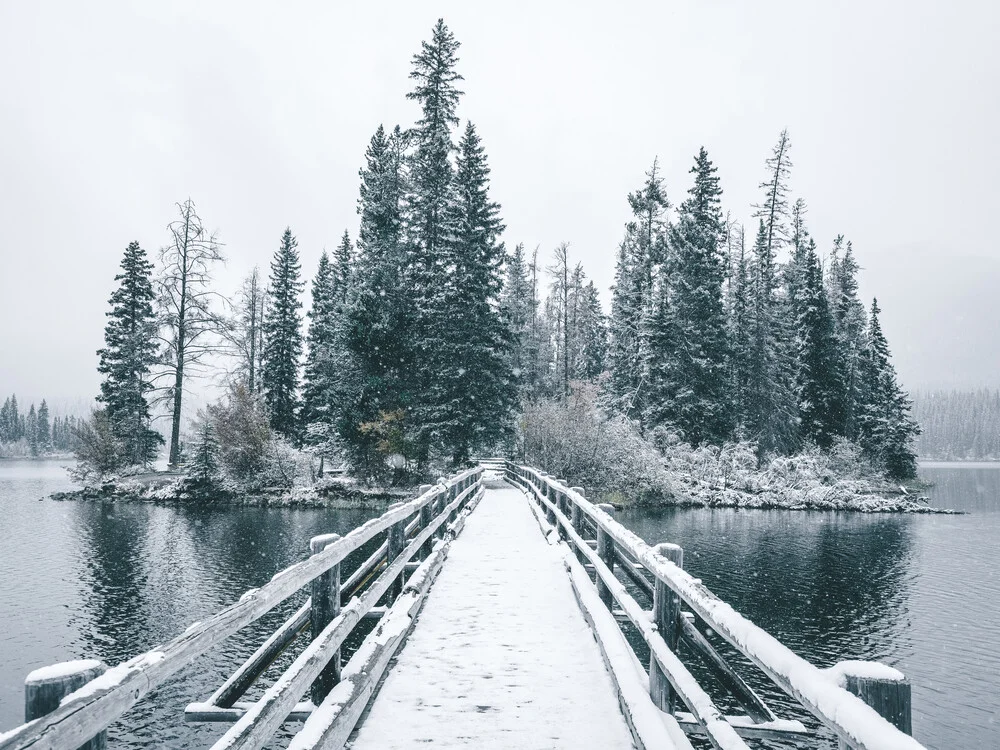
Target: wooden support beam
x,y
779,729
666,618
240,681
325,606
45,688
606,551
752,703
633,571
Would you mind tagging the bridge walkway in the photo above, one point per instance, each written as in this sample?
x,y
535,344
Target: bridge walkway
x,y
501,655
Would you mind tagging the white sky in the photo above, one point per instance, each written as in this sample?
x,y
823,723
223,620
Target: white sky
x,y
111,112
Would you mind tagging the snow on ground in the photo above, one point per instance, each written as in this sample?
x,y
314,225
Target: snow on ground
x,y
501,656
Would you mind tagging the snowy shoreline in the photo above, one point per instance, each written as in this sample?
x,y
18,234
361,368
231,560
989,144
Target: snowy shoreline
x,y
174,493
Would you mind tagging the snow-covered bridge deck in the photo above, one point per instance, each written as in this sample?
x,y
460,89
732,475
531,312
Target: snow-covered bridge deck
x,y
504,607
501,655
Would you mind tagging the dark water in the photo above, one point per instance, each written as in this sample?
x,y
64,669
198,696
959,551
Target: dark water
x,y
109,581
921,593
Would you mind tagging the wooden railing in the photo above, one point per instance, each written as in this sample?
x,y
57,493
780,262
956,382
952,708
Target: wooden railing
x,y
682,609
77,709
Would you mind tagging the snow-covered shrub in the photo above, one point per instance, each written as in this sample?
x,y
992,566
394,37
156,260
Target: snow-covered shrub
x,y
579,441
242,430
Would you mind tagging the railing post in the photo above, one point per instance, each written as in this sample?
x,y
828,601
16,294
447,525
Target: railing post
x,y
666,617
324,607
606,551
45,688
883,688
426,514
576,516
397,541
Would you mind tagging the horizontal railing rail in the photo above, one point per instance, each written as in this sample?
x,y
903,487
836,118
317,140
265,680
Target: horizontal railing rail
x,y
89,710
652,570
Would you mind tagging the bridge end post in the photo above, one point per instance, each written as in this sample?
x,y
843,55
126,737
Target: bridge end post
x,y
324,607
880,686
606,551
46,687
666,616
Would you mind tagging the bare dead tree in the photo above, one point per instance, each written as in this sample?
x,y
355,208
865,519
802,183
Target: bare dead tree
x,y
190,326
560,288
244,332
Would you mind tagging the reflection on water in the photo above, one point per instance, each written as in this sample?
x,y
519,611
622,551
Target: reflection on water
x,y
111,580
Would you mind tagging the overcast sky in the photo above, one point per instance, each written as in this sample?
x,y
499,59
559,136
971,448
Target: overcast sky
x,y
110,112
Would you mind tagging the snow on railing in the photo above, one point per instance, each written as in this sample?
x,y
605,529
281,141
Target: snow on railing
x,y
658,572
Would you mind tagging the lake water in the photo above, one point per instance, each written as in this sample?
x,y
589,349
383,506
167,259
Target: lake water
x,y
111,580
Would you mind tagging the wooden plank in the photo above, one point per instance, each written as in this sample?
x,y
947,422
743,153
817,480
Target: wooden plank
x,y
850,718
632,570
240,681
365,571
92,708
752,703
259,723
779,729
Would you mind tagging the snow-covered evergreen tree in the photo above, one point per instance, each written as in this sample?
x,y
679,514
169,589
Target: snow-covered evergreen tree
x,y
127,358
819,376
771,404
643,248
283,339
470,399
849,323
317,386
380,324
886,429
43,428
519,308
701,402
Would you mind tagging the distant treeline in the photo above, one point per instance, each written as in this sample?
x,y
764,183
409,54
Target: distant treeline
x,y
34,432
958,425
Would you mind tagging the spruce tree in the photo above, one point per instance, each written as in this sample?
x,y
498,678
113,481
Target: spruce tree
x,y
128,356
849,323
317,386
43,428
886,429
702,405
283,339
643,248
31,430
519,309
379,329
471,398
819,375
741,340
771,403
659,352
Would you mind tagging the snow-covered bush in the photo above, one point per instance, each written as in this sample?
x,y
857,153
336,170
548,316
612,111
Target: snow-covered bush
x,y
579,441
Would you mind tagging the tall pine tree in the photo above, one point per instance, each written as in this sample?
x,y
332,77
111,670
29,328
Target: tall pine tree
x,y
473,392
886,429
128,355
702,405
283,339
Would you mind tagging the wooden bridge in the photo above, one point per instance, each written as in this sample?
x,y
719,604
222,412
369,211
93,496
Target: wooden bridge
x,y
501,609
